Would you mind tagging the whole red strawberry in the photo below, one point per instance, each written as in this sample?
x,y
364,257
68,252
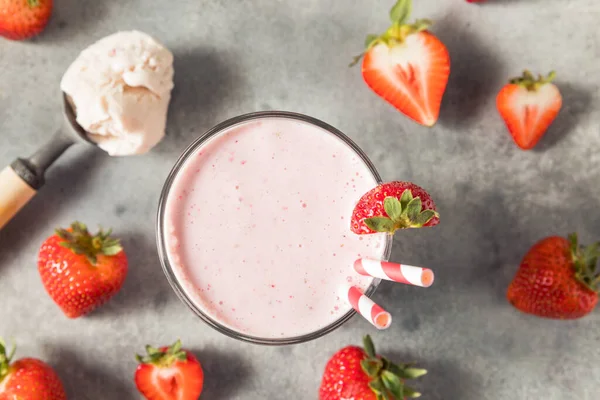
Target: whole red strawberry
x,y
360,374
392,206
407,66
80,271
27,379
557,279
22,19
169,373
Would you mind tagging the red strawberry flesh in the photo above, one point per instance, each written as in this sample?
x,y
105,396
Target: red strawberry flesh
x,y
407,66
169,373
528,107
411,76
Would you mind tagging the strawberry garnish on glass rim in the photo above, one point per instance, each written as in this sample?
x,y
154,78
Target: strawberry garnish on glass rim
x,y
407,66
528,107
392,206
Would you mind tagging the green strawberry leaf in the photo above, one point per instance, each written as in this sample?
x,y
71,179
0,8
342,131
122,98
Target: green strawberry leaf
x,y
405,198
369,346
590,256
111,250
401,11
574,244
80,241
393,208
176,347
393,384
152,350
414,373
421,25
409,392
64,234
585,260
413,209
370,40
370,367
377,386
397,370
5,359
355,60
386,378
380,224
424,217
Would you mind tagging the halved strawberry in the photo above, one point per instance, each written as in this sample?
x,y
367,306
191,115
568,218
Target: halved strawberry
x,y
169,373
528,107
407,66
392,206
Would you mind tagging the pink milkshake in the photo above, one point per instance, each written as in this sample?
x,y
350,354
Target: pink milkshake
x,y
254,227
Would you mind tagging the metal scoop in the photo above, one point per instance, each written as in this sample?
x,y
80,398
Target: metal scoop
x,y
20,181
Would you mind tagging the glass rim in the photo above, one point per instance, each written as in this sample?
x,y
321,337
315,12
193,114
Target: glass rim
x,y
160,231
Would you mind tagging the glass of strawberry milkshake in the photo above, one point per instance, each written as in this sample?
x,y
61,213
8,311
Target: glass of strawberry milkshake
x,y
254,227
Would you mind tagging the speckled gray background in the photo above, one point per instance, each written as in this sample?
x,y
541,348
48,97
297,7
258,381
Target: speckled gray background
x,y
233,57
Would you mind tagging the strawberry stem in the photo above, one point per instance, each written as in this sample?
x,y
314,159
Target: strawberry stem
x,y
529,82
387,378
163,358
5,359
585,259
398,31
402,214
78,239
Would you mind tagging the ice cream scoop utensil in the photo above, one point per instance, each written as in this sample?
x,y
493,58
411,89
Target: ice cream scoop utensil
x,y
20,181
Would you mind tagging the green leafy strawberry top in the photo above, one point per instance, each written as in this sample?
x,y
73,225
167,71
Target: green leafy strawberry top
x,y
402,214
529,82
398,31
585,260
5,359
163,358
387,378
78,239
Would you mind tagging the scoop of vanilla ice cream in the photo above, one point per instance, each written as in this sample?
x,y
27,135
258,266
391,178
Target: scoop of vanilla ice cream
x,y
120,88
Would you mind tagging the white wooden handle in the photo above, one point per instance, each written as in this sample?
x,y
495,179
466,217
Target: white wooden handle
x,y
14,194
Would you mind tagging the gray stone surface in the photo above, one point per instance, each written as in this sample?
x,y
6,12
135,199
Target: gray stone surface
x,y
233,57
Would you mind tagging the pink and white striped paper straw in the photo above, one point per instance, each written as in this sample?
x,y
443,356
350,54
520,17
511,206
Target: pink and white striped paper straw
x,y
407,274
366,307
